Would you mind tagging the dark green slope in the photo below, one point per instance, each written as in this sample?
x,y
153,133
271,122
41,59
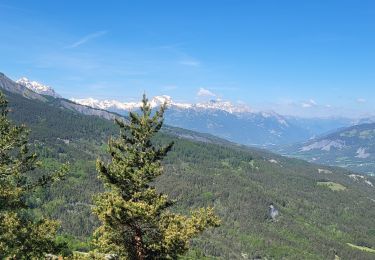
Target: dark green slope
x,y
315,220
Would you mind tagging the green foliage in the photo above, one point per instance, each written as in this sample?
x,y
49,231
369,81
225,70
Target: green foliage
x,y
21,236
135,221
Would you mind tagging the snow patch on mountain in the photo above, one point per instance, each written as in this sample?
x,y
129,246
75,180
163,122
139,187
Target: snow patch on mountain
x,y
227,106
358,178
38,87
107,104
324,145
325,171
362,154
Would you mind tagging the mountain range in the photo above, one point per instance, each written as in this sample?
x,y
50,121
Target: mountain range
x,y
234,122
313,139
237,123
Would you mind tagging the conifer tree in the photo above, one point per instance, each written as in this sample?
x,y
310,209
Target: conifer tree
x,y
136,222
21,235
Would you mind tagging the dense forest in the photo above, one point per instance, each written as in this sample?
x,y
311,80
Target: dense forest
x,y
316,221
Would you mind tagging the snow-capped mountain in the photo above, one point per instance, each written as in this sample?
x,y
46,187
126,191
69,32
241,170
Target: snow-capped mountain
x,y
159,100
10,87
107,104
235,122
115,105
38,87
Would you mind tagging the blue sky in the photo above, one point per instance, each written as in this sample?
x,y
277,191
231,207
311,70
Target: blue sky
x,y
310,58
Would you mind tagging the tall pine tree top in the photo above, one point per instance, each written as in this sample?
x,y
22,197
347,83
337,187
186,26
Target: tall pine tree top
x,y
136,221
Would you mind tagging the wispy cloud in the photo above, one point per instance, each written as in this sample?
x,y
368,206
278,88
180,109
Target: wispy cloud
x,y
85,39
202,92
190,62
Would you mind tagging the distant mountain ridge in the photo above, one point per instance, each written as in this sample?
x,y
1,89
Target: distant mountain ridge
x,y
234,122
38,87
13,87
9,87
237,123
159,100
352,147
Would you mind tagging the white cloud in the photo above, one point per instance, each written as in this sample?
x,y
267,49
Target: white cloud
x,y
306,105
202,92
310,103
361,100
85,39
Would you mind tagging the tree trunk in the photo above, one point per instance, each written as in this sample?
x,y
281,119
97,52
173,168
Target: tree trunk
x,y
139,245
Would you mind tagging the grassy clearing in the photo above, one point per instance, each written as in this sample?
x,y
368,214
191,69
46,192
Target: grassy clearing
x,y
332,185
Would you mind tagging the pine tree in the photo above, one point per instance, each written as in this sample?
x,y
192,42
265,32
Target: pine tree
x,y
21,235
136,222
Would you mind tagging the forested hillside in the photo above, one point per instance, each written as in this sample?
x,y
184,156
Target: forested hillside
x,y
351,147
322,209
